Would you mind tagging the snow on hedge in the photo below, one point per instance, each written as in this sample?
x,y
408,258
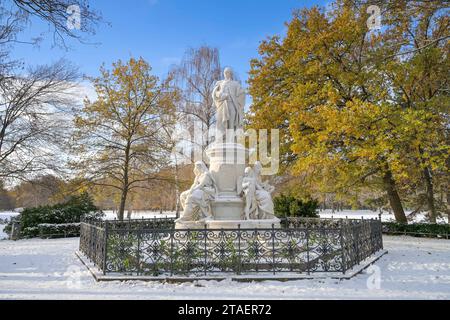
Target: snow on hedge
x,y
59,225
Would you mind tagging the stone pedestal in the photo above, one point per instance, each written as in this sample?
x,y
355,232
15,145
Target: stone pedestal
x,y
228,208
244,224
196,225
227,166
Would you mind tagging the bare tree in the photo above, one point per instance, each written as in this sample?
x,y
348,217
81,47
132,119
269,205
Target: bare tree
x,y
60,15
199,70
34,101
6,201
11,24
32,113
44,190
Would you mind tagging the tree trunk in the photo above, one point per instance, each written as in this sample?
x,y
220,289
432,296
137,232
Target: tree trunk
x,y
123,201
394,198
430,194
448,203
427,175
177,189
447,184
126,186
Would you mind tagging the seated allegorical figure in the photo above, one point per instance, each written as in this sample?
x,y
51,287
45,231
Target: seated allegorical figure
x,y
249,192
196,201
263,195
257,195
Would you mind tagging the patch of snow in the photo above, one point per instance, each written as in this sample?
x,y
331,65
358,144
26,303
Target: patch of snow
x,y
325,214
59,225
6,215
111,215
414,268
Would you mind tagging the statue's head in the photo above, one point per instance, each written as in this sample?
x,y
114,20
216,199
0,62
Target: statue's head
x,y
257,167
248,172
228,73
200,167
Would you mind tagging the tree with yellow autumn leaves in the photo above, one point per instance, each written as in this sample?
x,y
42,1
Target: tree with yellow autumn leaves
x,y
360,108
120,139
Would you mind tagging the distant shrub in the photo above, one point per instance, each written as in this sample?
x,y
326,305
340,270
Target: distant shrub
x,y
72,211
417,229
289,206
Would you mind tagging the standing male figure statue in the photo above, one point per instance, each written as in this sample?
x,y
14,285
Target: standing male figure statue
x,y
229,99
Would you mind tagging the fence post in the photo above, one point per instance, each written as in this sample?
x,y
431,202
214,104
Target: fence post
x,y
326,241
256,251
15,231
344,266
307,250
357,241
93,239
205,235
172,233
239,266
273,248
105,247
381,234
138,252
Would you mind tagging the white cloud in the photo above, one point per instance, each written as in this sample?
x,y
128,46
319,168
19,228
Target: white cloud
x,y
83,90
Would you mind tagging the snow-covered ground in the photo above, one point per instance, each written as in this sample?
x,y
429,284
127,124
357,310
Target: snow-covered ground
x,y
48,269
355,214
8,214
326,214
111,215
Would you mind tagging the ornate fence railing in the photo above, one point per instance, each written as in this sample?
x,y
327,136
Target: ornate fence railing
x,y
154,248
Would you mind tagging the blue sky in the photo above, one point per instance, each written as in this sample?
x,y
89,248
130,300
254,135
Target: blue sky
x,y
161,30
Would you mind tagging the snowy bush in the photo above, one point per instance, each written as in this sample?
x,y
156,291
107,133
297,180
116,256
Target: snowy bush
x,y
72,211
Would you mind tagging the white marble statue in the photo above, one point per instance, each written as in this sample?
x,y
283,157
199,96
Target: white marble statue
x,y
263,195
196,202
229,194
249,192
257,195
229,100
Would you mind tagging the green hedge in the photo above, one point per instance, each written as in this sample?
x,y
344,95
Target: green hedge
x,y
72,211
417,229
289,206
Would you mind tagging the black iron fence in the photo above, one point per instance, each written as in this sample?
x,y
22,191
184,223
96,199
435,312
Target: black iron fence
x,y
426,230
154,247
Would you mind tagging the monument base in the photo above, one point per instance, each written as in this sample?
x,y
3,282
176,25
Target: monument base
x,y
244,224
194,225
228,224
228,208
